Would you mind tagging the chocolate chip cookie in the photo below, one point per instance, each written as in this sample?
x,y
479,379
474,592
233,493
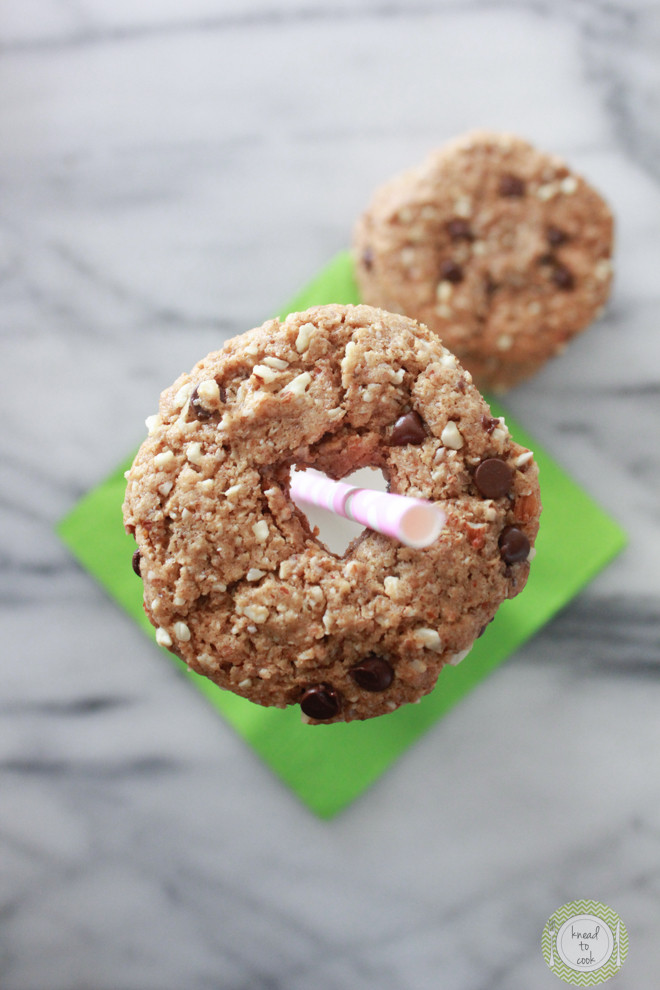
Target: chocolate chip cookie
x,y
236,582
496,246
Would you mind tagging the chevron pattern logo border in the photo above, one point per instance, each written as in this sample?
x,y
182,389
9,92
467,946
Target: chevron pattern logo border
x,y
584,943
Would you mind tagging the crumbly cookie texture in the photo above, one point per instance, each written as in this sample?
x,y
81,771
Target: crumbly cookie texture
x,y
496,246
237,584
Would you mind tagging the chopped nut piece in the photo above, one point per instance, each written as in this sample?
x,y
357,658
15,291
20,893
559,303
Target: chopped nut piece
x,y
444,291
429,639
209,392
163,638
183,395
603,269
181,631
524,458
298,385
463,207
164,458
257,613
194,452
392,585
348,362
490,512
260,530
265,373
304,337
457,657
547,191
451,436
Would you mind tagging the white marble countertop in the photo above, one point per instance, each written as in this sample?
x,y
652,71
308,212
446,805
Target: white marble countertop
x,y
170,174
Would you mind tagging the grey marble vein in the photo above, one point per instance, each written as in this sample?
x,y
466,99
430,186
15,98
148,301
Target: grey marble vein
x,y
171,174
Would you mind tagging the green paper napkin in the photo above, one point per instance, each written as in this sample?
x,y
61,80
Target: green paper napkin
x,y
329,766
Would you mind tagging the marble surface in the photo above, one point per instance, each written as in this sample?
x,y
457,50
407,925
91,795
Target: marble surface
x,y
170,174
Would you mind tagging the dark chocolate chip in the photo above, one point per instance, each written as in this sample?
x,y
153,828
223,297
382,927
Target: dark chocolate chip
x,y
489,423
408,429
514,545
451,272
373,673
320,702
556,237
137,557
198,409
511,185
490,286
563,277
368,258
460,230
493,477
460,385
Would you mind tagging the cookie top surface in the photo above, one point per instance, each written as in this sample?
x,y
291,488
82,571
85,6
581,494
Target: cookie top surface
x,y
496,246
234,579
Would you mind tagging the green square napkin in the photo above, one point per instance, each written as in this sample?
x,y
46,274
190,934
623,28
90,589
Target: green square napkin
x,y
329,766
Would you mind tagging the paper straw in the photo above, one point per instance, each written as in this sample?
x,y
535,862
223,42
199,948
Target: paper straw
x,y
411,521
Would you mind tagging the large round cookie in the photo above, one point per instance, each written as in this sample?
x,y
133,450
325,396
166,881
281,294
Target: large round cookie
x,y
496,246
234,580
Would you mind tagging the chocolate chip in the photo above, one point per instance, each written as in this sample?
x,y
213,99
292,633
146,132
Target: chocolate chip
x,y
368,258
556,237
320,702
408,429
514,545
460,230
490,285
493,477
460,385
451,272
137,557
489,423
511,185
563,277
373,673
197,408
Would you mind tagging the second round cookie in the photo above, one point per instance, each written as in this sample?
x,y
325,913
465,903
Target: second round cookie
x,y
497,246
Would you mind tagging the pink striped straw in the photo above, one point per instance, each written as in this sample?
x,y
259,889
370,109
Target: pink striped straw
x,y
411,521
